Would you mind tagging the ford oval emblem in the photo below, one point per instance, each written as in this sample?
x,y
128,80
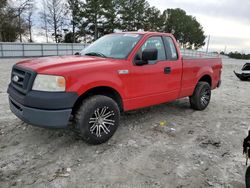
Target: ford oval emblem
x,y
15,78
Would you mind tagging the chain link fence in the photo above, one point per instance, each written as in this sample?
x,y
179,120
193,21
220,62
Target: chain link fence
x,y
10,49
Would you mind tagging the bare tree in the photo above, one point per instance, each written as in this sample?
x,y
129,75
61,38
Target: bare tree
x,y
43,15
29,19
55,15
21,6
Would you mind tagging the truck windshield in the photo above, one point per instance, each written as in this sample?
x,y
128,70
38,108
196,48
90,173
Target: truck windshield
x,y
116,46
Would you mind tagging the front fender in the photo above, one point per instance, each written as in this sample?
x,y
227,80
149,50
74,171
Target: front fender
x,y
92,80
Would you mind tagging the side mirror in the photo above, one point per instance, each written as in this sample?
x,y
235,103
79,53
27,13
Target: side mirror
x,y
77,53
150,54
147,55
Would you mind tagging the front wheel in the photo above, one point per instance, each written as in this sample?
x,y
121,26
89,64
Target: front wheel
x,y
97,119
201,96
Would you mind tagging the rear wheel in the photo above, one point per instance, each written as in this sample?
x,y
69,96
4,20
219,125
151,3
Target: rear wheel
x,y
201,96
97,119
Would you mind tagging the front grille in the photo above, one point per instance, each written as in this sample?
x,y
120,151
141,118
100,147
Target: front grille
x,y
22,79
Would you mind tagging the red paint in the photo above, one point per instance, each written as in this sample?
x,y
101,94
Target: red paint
x,y
144,85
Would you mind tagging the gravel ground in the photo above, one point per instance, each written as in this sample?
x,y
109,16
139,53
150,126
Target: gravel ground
x,y
203,149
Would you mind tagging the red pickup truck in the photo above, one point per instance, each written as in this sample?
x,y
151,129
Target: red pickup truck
x,y
116,73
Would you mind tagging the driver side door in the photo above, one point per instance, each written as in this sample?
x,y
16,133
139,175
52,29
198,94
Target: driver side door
x,y
149,84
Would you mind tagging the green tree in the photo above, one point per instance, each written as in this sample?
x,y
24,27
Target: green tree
x,y
132,13
93,13
185,28
70,38
237,55
111,19
74,9
153,19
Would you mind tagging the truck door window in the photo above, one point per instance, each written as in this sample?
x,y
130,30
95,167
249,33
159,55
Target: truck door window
x,y
153,42
170,49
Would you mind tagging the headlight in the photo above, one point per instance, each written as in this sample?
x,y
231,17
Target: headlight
x,y
49,83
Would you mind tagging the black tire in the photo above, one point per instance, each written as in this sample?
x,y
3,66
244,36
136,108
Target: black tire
x,y
97,119
247,177
201,96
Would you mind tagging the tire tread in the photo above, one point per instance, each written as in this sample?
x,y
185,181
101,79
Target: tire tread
x,y
195,98
84,108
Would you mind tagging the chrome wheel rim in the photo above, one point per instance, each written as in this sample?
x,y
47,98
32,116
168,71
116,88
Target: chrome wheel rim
x,y
205,97
101,121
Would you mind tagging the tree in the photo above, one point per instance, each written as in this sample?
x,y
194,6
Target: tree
x,y
153,19
21,6
43,16
74,8
132,14
185,28
55,16
94,18
237,55
29,19
93,12
11,25
70,38
111,19
3,5
98,17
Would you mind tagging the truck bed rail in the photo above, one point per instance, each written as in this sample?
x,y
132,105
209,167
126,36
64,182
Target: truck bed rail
x,y
193,54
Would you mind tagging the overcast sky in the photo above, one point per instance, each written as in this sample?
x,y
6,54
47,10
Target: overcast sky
x,y
226,21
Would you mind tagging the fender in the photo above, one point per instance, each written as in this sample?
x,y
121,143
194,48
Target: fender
x,y
92,80
205,71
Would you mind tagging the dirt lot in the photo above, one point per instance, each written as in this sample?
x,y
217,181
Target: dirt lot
x,y
203,150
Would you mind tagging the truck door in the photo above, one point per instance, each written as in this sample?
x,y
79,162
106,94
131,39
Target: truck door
x,y
159,80
174,61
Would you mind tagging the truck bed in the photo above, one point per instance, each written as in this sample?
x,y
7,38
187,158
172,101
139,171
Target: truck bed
x,y
194,65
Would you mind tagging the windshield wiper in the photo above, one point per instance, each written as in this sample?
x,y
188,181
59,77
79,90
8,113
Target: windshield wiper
x,y
95,54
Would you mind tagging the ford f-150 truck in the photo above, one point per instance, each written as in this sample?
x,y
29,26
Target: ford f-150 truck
x,y
118,72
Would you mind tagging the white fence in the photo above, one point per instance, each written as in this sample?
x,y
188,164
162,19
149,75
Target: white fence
x,y
10,49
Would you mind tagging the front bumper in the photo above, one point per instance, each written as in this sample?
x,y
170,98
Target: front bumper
x,y
43,109
41,118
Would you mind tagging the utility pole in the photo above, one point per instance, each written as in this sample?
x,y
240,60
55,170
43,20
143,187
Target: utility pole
x,y
225,49
208,41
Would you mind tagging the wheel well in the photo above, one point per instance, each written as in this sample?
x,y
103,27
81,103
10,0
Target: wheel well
x,y
107,91
206,78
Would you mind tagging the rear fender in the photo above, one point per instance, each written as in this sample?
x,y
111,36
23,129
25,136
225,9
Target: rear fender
x,y
203,72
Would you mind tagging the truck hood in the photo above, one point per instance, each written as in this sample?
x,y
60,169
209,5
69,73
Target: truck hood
x,y
48,63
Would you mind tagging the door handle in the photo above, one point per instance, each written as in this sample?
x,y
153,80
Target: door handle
x,y
167,70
